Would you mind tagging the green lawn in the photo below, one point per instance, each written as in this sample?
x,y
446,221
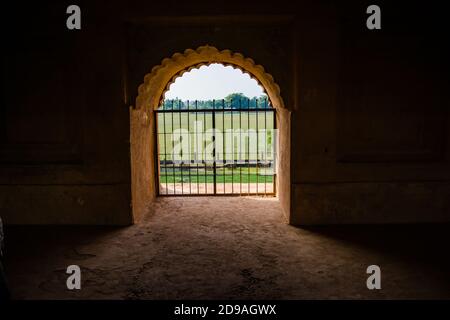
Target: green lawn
x,y
243,175
227,146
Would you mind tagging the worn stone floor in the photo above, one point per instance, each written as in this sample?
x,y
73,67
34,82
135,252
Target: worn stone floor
x,y
227,248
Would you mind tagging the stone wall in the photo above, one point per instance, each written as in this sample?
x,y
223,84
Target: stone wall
x,y
368,140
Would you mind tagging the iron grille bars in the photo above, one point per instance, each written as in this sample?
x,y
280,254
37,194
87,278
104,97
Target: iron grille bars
x,y
219,163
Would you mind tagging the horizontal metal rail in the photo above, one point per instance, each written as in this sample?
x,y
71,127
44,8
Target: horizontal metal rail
x,y
213,110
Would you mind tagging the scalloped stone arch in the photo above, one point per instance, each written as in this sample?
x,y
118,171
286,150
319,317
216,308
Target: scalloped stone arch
x,y
181,73
144,168
159,79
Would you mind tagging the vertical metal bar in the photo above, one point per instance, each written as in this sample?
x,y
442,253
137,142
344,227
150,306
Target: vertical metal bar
x,y
265,149
223,144
159,128
214,145
204,151
165,152
157,154
181,141
196,145
257,147
232,149
189,147
248,147
274,143
240,144
173,161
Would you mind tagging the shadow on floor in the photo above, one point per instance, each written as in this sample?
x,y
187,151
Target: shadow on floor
x,y
426,244
136,262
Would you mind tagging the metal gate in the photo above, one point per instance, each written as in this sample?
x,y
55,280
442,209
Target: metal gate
x,y
216,147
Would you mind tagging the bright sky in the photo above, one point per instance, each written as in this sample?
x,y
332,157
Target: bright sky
x,y
213,82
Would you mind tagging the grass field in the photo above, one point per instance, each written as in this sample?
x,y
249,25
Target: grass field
x,y
233,144
244,175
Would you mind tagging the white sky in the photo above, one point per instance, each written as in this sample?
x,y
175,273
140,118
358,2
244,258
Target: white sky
x,y
213,82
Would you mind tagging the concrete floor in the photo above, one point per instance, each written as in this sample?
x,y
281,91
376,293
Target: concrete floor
x,y
227,248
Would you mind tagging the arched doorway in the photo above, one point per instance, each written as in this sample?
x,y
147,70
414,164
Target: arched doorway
x,y
144,168
216,135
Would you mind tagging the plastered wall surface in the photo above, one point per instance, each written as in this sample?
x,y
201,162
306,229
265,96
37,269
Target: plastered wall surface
x,y
365,129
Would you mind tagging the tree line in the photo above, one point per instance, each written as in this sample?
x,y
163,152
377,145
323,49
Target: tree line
x,y
231,101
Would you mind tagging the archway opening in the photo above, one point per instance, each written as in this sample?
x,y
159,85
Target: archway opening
x,y
143,129
216,130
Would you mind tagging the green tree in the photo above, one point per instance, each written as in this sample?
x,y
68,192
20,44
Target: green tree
x,y
236,100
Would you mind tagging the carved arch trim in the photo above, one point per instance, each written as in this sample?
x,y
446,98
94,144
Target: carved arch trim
x,y
157,82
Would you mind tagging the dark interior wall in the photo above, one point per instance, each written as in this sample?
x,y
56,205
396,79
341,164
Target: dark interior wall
x,y
373,112
64,124
369,108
